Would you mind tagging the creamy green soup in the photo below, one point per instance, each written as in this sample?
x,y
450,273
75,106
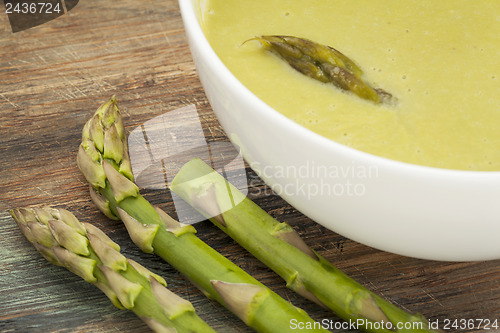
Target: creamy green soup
x,y
440,59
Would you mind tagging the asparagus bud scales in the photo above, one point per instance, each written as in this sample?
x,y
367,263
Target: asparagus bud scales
x,y
281,249
155,232
88,252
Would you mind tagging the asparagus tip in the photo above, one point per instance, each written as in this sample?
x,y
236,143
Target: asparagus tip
x,y
323,63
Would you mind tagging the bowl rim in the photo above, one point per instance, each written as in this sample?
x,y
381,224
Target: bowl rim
x,y
193,28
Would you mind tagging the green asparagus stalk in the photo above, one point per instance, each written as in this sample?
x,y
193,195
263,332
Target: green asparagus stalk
x,y
323,63
279,247
103,160
89,253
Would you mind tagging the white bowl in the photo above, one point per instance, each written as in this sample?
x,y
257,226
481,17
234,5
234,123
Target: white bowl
x,y
406,209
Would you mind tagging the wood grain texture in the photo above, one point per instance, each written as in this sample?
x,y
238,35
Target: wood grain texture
x,y
53,77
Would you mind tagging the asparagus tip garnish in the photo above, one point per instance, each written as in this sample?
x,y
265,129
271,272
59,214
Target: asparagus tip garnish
x,y
323,63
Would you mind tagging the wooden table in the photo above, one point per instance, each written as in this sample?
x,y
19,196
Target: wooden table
x,y
53,77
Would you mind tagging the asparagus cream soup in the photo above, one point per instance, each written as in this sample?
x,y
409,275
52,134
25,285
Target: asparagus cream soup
x,y
439,59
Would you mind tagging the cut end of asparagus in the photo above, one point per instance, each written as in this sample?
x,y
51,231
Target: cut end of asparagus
x,y
323,63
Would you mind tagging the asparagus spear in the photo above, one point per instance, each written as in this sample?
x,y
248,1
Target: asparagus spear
x,y
87,252
323,63
104,161
279,247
